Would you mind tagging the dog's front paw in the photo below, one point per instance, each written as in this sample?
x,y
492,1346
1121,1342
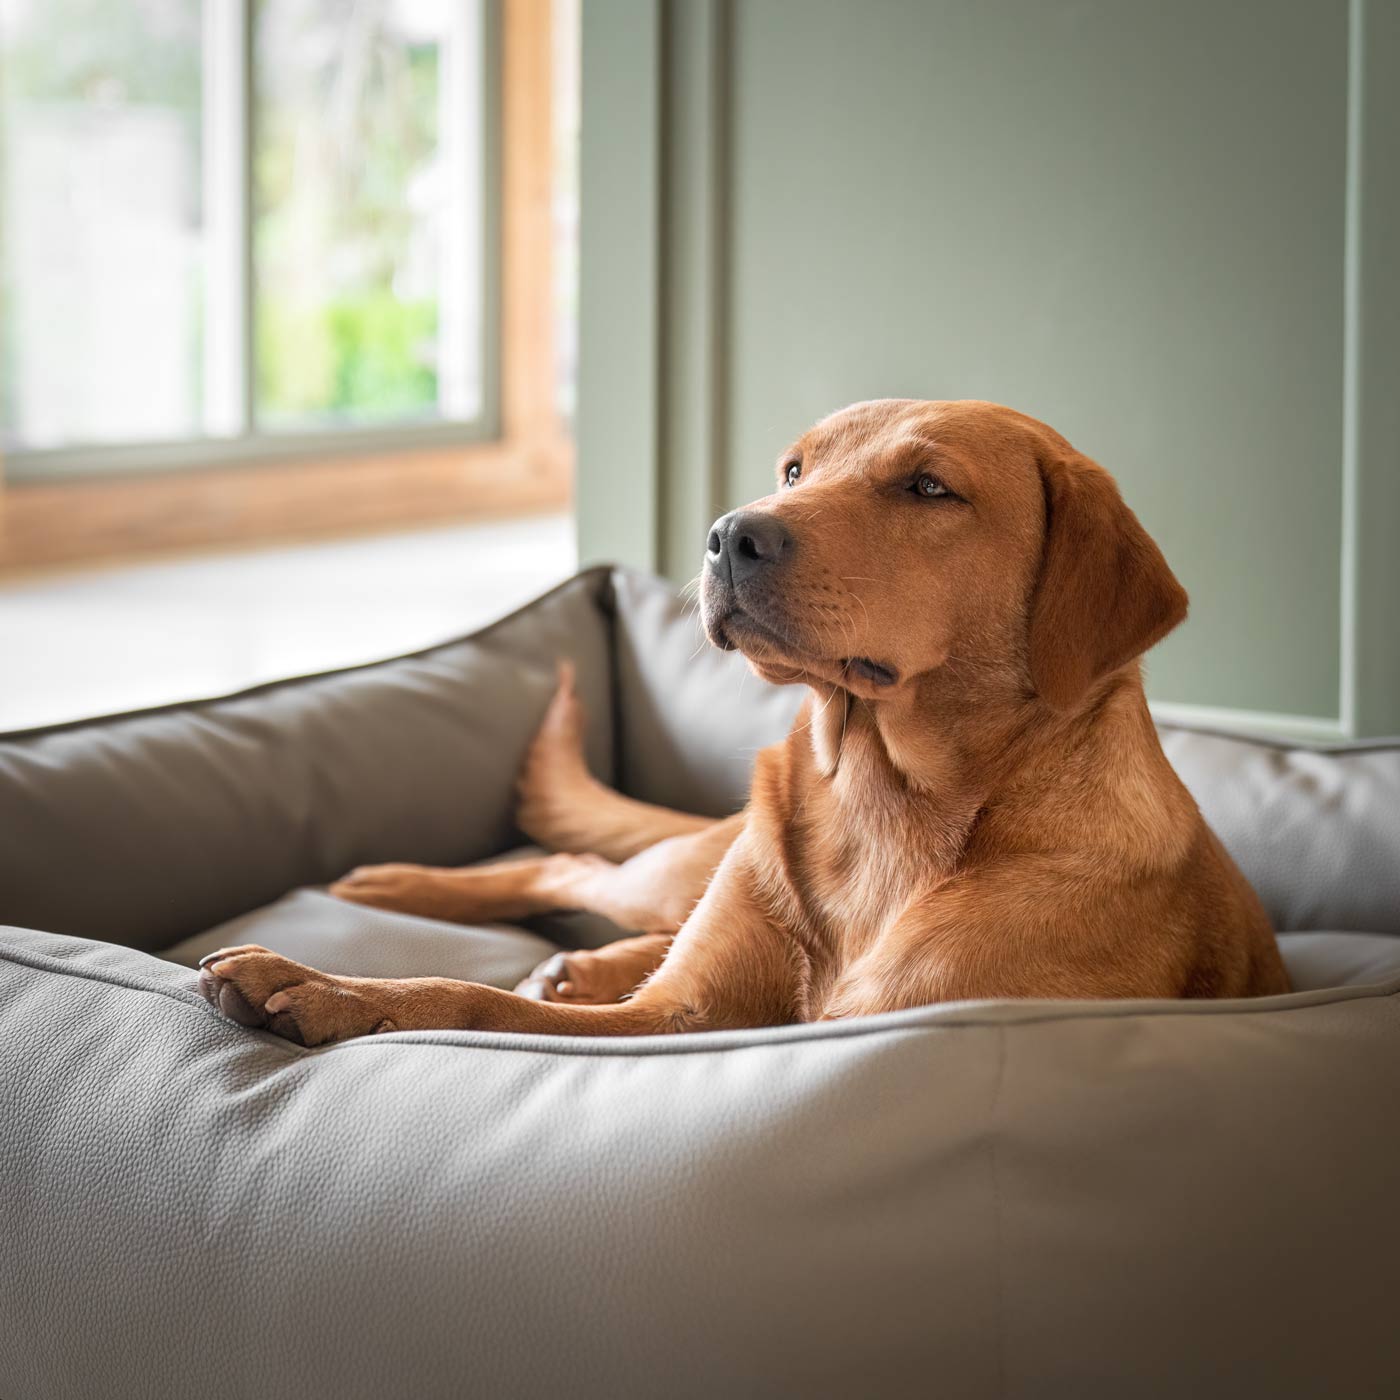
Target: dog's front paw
x,y
583,978
559,978
258,988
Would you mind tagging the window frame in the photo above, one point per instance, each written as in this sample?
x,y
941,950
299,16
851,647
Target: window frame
x,y
230,23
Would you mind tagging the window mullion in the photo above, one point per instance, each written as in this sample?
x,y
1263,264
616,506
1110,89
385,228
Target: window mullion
x,y
227,165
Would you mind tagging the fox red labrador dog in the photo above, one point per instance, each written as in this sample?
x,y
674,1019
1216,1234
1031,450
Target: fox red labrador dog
x,y
972,802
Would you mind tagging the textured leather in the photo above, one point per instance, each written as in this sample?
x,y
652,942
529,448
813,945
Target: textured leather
x,y
690,718
1317,831
357,941
1001,1199
996,1199
149,828
1318,961
314,928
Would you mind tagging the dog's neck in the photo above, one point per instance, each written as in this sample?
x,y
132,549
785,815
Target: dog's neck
x,y
899,764
947,749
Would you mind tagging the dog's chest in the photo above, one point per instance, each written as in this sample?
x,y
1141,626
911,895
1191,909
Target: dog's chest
x,y
860,869
858,848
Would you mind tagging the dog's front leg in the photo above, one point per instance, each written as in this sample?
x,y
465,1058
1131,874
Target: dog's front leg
x,y
730,965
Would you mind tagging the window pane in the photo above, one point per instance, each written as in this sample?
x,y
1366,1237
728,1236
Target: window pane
x,y
102,241
367,206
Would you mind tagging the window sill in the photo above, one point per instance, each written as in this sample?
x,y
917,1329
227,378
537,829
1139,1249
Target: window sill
x,y
103,640
51,466
46,524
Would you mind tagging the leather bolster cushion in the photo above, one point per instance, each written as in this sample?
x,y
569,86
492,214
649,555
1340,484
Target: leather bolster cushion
x,y
1315,830
153,827
1012,1198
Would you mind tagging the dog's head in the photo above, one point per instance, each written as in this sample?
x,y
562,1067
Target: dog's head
x,y
905,536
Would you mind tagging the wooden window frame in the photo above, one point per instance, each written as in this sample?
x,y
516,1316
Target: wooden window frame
x,y
361,484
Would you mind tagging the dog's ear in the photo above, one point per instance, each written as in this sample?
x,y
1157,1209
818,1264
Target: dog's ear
x,y
1105,592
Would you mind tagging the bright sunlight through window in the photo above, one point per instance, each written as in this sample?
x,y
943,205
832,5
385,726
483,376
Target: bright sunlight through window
x,y
234,226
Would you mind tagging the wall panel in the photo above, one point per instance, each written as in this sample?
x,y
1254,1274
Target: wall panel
x,y
1165,229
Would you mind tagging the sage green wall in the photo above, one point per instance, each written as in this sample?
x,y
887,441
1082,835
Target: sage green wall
x,y
1166,229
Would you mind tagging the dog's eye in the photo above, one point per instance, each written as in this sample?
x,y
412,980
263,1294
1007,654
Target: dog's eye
x,y
930,487
791,472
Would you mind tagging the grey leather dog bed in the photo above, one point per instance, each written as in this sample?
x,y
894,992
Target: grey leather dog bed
x,y
1010,1199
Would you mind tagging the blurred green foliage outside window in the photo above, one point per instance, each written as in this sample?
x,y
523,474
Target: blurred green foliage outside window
x,y
348,205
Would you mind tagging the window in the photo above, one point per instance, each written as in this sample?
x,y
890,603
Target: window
x,y
241,228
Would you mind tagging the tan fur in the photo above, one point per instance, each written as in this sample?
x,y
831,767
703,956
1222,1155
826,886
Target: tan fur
x,y
973,802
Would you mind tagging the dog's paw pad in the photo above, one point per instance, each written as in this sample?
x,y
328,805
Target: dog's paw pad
x,y
226,999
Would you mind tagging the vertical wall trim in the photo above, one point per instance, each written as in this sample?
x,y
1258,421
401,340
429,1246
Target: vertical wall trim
x,y
721,138
621,356
1372,514
1351,352
694,291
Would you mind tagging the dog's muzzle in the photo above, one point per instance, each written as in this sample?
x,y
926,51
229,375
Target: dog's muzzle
x,y
747,545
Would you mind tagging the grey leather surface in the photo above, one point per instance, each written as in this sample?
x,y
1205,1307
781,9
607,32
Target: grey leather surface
x,y
149,828
690,718
357,941
1318,961
1316,831
316,929
998,1199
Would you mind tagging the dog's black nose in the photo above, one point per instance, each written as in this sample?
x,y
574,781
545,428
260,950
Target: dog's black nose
x,y
743,541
